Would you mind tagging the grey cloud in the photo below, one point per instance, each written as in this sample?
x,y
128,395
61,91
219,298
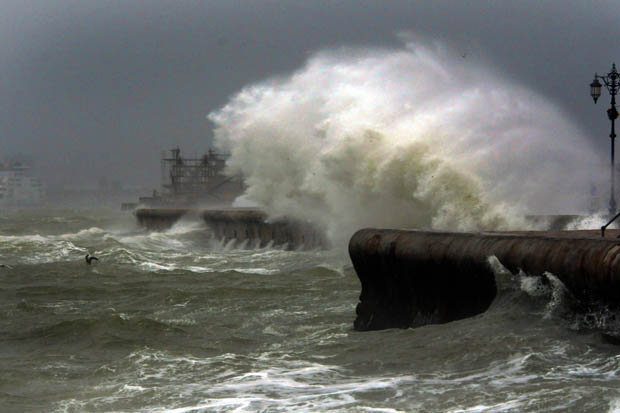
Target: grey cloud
x,y
99,88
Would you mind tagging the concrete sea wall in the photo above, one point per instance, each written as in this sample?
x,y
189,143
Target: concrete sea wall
x,y
411,278
159,218
253,224
239,223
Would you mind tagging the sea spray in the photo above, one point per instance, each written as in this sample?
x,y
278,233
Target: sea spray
x,y
413,137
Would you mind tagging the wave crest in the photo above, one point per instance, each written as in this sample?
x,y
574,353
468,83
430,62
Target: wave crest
x,y
403,138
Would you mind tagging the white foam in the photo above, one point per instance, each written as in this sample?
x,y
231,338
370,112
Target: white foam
x,y
594,221
185,226
132,389
279,382
559,295
36,249
451,146
230,244
84,233
153,240
535,286
23,238
510,405
197,269
186,321
153,266
260,271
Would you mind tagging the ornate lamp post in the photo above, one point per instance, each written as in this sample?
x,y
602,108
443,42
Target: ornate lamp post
x,y
612,83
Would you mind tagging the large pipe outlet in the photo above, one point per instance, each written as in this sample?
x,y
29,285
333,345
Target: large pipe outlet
x,y
411,278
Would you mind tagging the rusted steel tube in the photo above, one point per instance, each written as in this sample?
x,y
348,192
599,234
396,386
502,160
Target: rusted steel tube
x,y
411,278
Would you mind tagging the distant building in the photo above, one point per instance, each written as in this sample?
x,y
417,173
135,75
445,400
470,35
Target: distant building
x,y
18,187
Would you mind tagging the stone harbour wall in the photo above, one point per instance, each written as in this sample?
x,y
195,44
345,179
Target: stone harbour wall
x,y
253,224
240,224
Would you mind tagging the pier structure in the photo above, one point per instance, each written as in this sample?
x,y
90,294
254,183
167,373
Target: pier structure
x,y
241,224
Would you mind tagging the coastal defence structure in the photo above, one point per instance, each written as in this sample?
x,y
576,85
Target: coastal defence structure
x,y
253,225
241,224
159,218
411,278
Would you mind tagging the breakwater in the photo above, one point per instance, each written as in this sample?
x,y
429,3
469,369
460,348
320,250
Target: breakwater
x,y
254,225
411,278
241,224
159,218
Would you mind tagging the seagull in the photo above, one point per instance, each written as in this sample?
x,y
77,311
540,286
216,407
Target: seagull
x,y
89,259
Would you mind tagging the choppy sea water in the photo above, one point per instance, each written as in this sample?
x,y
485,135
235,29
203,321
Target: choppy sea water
x,y
176,321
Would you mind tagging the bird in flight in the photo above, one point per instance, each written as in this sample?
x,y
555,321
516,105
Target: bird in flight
x,y
90,258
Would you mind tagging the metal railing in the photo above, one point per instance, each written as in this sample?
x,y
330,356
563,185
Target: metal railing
x,y
604,227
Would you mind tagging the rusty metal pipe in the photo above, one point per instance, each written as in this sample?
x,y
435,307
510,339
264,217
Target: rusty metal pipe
x,y
411,278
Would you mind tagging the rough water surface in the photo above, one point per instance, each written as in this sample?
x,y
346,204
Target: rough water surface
x,y
176,321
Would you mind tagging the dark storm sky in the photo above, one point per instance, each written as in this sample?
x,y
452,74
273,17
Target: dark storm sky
x,y
94,88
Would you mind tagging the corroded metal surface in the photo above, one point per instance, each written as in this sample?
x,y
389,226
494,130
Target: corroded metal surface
x,y
411,278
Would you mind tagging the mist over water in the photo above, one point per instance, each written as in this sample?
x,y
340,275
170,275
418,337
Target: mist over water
x,y
418,137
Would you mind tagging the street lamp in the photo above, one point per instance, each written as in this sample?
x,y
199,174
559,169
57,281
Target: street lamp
x,y
611,81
